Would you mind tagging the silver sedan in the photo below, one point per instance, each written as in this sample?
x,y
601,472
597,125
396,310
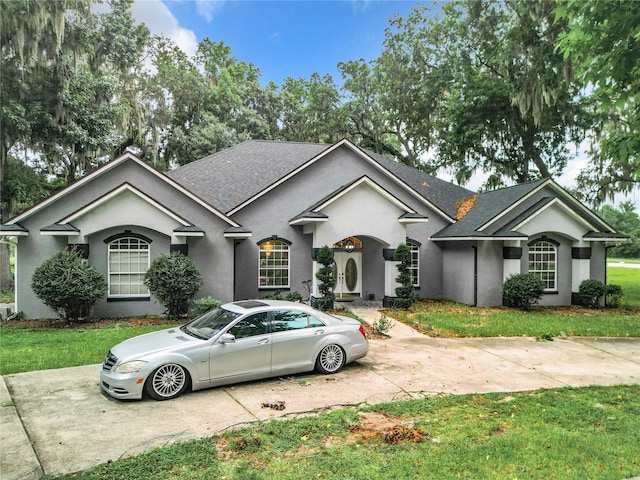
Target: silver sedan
x,y
237,342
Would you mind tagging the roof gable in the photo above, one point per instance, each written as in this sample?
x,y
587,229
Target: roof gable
x,y
490,216
236,177
315,213
121,190
126,157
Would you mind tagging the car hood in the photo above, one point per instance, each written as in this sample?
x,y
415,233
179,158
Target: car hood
x,y
150,343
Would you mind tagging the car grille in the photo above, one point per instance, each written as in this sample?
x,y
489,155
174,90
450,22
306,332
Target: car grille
x,y
109,361
118,390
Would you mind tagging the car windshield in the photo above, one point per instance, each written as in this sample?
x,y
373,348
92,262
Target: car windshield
x,y
210,323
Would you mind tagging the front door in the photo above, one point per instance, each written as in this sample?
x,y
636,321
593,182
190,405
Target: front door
x,y
348,274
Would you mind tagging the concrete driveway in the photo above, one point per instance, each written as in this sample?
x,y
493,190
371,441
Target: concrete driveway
x,y
58,421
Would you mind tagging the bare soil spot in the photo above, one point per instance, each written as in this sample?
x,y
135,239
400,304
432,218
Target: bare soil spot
x,y
379,426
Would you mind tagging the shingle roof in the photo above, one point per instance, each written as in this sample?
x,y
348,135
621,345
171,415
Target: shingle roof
x,y
229,177
445,195
487,206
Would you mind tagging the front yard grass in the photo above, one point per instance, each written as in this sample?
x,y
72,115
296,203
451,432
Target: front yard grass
x,y
629,280
449,319
25,349
571,433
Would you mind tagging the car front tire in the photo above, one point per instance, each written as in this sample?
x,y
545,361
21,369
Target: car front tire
x,y
167,382
330,359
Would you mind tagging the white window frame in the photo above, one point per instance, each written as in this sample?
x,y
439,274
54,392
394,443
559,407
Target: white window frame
x,y
274,256
414,269
127,244
543,262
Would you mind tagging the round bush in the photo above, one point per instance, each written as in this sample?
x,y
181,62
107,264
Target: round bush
x,y
68,284
174,280
522,290
590,293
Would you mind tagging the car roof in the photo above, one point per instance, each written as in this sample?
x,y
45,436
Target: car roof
x,y
247,306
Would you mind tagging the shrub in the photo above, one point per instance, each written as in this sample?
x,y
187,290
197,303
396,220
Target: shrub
x,y
294,297
327,277
522,290
405,292
590,292
382,325
68,284
291,296
174,280
203,305
613,295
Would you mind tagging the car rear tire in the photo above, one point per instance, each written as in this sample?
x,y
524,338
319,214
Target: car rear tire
x,y
167,382
330,359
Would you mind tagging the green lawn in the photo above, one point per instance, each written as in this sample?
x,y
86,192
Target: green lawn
x,y
629,280
448,319
572,433
28,349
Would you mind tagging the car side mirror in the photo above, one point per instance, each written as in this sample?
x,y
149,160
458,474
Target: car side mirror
x,y
227,338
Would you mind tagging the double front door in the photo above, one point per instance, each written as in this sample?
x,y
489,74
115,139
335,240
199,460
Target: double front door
x,y
348,274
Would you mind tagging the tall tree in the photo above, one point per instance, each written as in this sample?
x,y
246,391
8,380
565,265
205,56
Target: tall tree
x,y
392,100
32,32
602,40
63,71
511,110
310,109
363,112
625,220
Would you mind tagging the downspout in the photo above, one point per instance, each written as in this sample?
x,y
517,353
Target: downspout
x,y
606,255
235,267
475,275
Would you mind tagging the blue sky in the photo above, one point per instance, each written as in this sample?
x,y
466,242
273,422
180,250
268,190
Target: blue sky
x,y
291,38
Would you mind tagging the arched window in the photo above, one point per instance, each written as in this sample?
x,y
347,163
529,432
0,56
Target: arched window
x,y
128,262
414,269
543,262
273,263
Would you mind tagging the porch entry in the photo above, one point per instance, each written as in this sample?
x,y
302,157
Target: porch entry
x,y
348,274
347,263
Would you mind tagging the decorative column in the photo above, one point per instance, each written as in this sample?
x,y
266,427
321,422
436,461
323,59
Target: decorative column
x,y
511,255
580,264
390,274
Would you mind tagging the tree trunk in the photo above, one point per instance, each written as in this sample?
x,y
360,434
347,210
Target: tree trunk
x,y
6,278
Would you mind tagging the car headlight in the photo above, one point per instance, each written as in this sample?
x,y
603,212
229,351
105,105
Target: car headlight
x,y
130,367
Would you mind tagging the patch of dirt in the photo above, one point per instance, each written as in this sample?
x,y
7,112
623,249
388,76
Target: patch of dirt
x,y
379,426
372,334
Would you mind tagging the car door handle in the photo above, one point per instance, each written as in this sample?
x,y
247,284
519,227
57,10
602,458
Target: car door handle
x,y
263,341
318,332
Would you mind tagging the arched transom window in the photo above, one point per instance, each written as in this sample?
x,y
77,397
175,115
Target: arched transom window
x,y
128,263
543,262
273,264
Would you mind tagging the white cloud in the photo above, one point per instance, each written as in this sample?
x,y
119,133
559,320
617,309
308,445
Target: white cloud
x,y
207,8
360,6
160,21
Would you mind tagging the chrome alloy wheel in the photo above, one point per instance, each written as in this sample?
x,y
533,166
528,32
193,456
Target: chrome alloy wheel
x,y
331,359
168,381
